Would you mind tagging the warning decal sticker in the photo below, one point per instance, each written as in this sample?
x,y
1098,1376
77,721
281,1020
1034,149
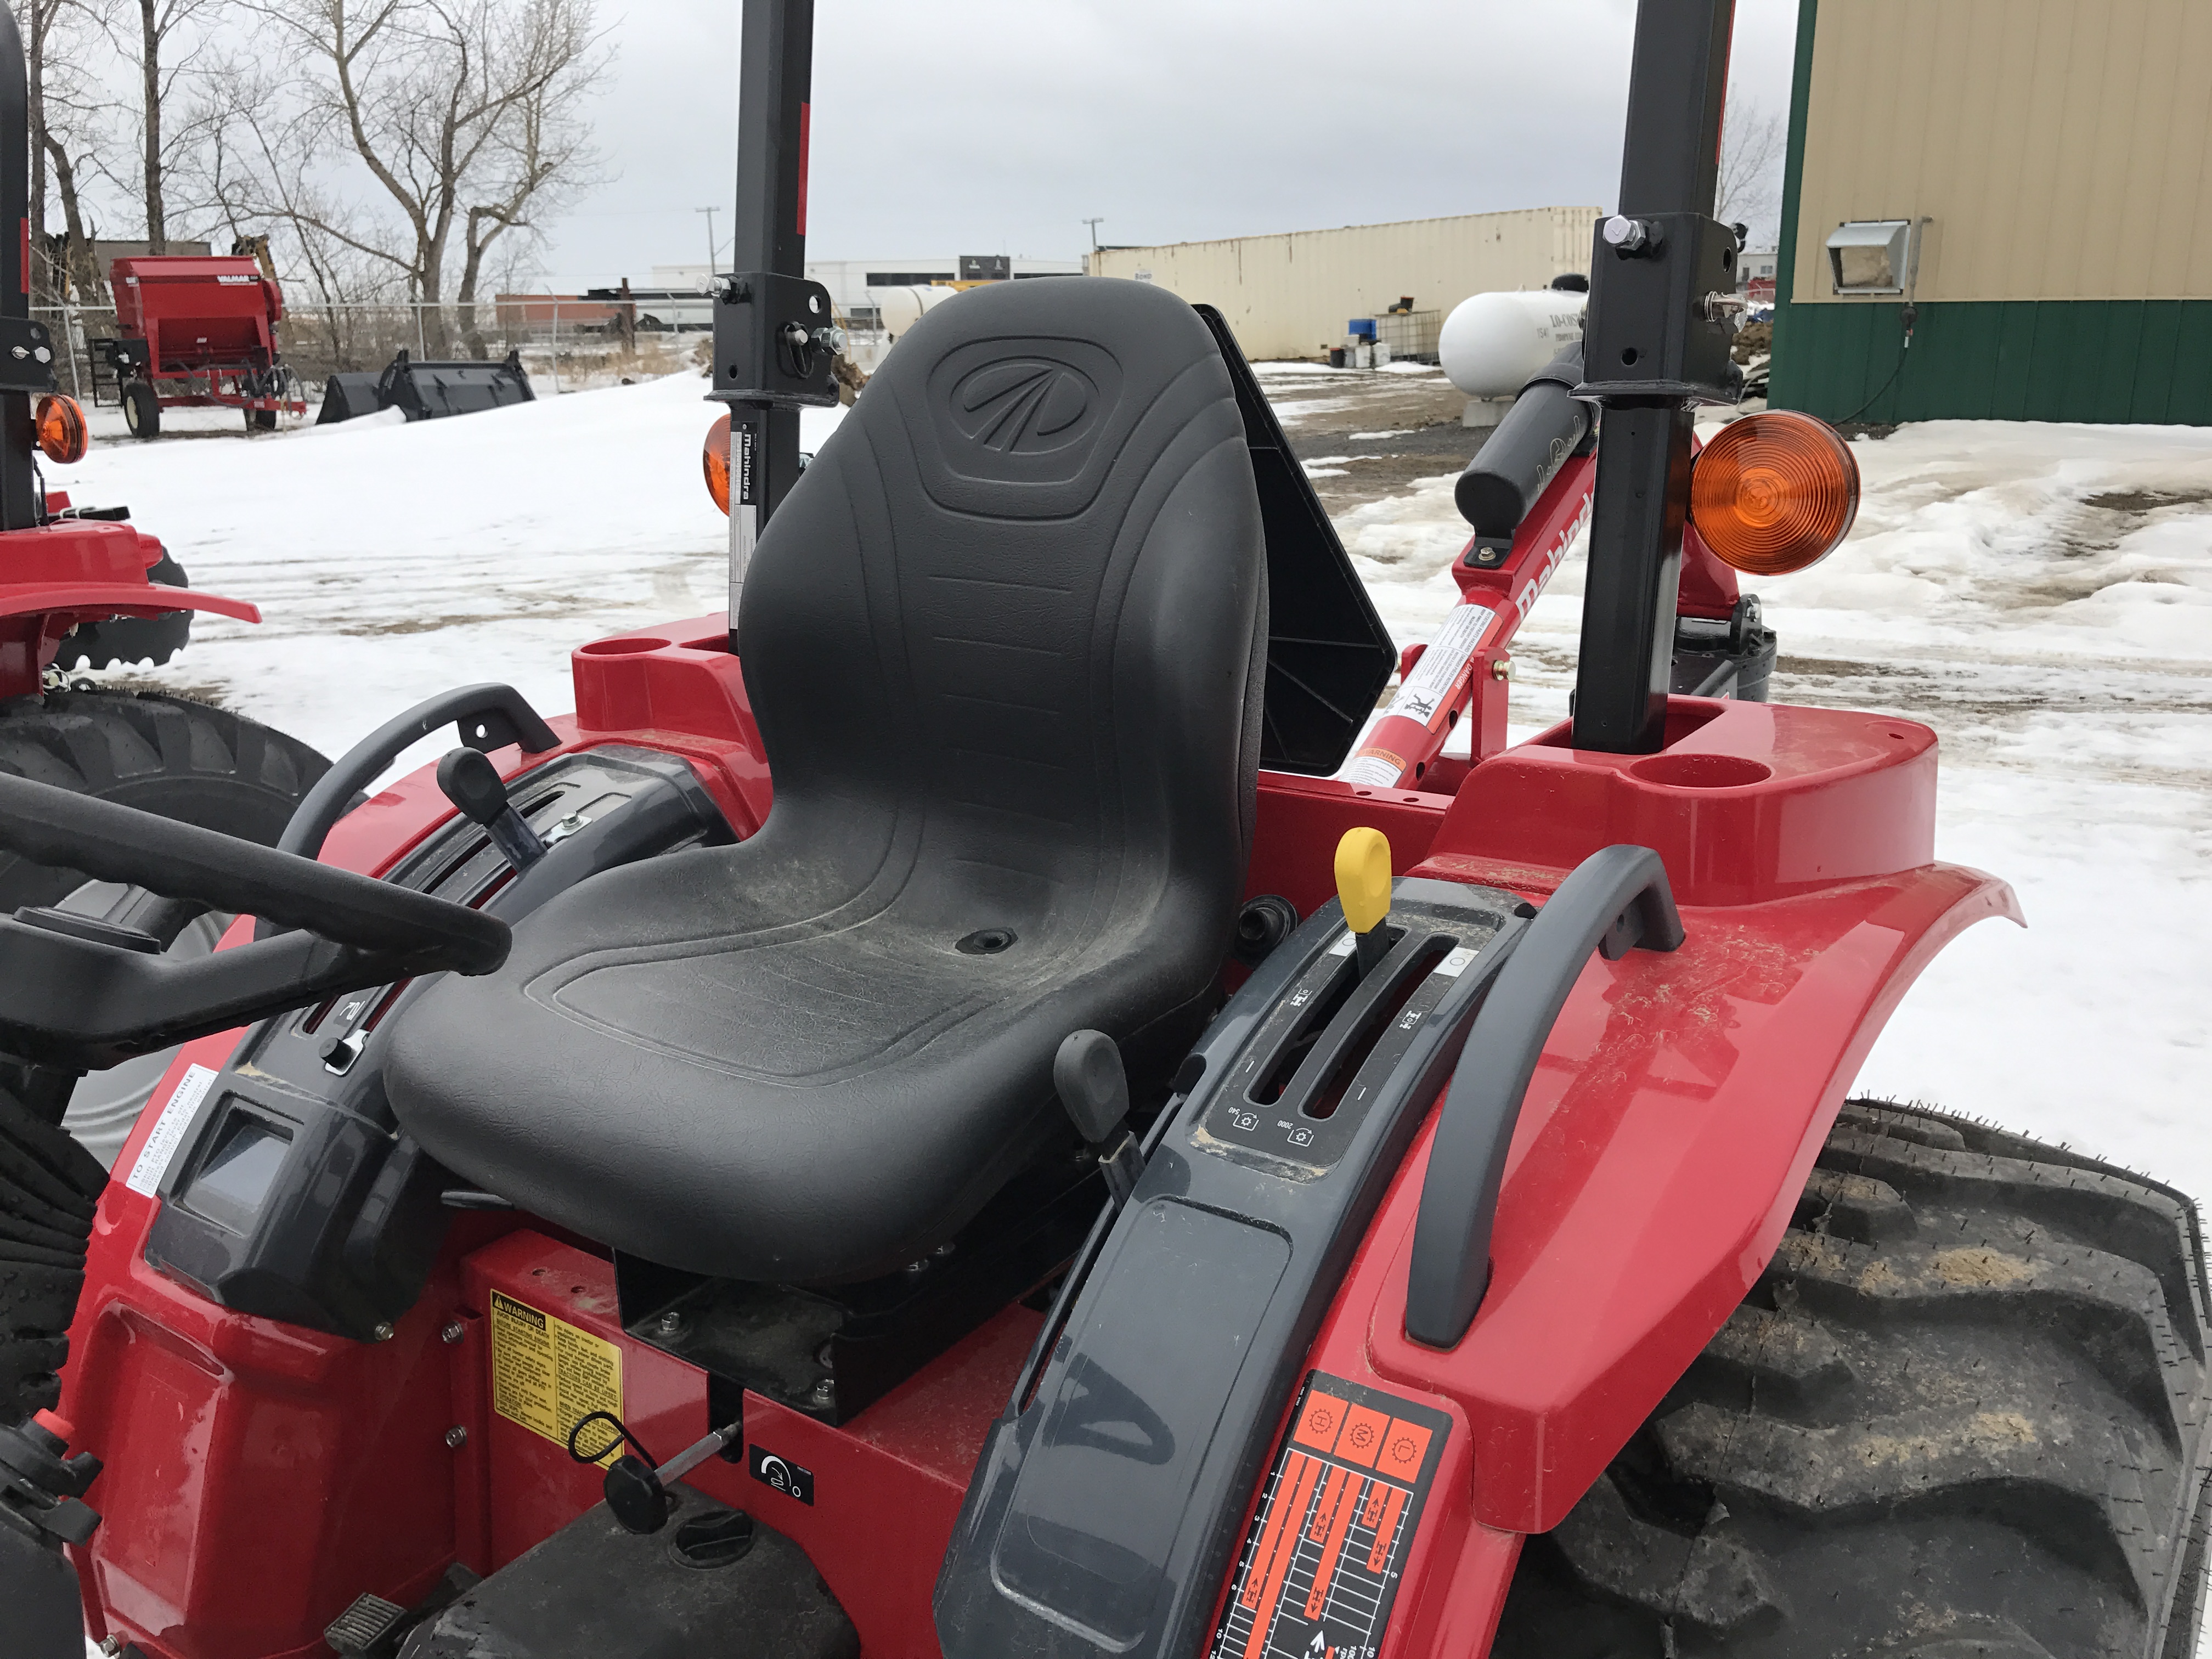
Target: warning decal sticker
x,y
1327,1548
547,1374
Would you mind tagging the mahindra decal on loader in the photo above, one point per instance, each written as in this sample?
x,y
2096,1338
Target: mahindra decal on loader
x,y
926,1118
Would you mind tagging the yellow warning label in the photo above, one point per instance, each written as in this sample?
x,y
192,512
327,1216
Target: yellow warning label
x,y
548,1375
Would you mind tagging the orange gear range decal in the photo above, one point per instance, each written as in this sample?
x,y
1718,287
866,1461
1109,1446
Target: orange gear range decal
x,y
1322,1562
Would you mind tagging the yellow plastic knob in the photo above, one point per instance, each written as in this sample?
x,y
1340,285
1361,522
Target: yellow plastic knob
x,y
1363,877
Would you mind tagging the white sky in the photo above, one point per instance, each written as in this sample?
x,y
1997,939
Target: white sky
x,y
989,126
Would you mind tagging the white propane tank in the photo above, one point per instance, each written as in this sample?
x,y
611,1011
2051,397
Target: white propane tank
x,y
901,307
1490,344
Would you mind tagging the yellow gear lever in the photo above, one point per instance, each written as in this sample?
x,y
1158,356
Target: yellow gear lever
x,y
1362,884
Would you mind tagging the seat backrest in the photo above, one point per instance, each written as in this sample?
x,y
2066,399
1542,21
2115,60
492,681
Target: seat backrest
x,y
1004,638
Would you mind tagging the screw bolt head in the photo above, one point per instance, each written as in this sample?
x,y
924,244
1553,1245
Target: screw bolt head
x,y
1625,234
670,1324
453,1332
825,1393
382,1333
457,1436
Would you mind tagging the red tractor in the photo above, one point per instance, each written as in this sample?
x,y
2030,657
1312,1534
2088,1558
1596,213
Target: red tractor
x,y
923,1120
197,332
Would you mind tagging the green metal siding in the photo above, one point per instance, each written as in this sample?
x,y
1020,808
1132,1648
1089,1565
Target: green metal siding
x,y
2109,361
2028,360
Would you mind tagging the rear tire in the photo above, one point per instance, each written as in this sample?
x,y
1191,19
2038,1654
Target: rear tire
x,y
1962,1413
142,410
260,420
114,640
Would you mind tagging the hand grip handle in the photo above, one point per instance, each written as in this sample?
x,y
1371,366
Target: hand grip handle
x,y
1614,901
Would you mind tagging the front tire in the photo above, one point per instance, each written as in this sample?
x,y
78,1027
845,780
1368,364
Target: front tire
x,y
142,410
1961,1414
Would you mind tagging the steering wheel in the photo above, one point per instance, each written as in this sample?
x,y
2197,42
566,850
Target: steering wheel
x,y
81,993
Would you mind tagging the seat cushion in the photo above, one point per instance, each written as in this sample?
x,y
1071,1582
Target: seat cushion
x,y
1002,645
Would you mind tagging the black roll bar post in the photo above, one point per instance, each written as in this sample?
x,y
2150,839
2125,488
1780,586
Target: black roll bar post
x,y
1656,344
773,346
19,505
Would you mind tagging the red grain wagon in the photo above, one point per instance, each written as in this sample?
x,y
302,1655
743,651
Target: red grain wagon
x,y
198,331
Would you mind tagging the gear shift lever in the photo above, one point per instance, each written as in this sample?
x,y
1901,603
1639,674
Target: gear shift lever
x,y
473,785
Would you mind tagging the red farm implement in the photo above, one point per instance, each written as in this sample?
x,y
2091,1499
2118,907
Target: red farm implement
x,y
197,332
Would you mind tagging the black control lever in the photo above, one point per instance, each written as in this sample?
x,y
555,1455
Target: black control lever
x,y
474,786
636,1490
1087,1074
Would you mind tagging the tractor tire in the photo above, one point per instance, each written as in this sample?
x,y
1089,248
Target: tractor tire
x,y
161,754
1961,1416
260,420
142,410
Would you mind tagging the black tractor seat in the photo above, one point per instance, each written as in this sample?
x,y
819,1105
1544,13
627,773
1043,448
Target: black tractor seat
x,y
1005,641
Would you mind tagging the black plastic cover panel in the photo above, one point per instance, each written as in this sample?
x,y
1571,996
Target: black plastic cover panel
x,y
1084,1524
1329,654
1106,1509
705,1586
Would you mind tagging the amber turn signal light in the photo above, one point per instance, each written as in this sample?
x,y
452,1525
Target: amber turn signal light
x,y
1775,492
62,435
715,457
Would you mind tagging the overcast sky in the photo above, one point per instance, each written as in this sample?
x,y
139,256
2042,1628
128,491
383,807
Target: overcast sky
x,y
998,126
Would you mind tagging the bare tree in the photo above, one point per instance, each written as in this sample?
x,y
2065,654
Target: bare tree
x,y
465,113
67,133
259,168
1754,145
162,50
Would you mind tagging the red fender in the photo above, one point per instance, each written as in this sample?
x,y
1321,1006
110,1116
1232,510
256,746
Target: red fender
x,y
78,570
1676,1110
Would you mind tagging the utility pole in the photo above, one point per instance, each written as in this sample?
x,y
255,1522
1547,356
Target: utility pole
x,y
709,212
1094,224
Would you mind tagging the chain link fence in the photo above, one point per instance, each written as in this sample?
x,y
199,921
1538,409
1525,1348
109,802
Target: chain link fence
x,y
564,344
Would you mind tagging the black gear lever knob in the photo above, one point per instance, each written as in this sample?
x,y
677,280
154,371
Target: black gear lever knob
x,y
474,786
1087,1074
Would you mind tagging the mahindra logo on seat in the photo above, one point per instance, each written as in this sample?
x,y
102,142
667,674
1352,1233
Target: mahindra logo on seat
x,y
1024,406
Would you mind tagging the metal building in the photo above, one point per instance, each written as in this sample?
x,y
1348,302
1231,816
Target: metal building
x,y
2026,183
1292,295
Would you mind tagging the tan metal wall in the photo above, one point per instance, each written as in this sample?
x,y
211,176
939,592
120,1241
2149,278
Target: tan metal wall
x,y
1290,295
2063,147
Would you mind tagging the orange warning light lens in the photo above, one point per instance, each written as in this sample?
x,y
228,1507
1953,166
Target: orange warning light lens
x,y
62,435
715,457
1775,492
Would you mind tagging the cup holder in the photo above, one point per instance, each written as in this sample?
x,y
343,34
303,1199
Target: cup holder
x,y
623,647
1700,771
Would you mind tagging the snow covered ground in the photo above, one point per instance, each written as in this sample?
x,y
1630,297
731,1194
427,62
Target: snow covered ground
x,y
2041,595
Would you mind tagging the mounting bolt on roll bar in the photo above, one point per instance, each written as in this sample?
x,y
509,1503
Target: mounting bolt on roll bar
x,y
1614,901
